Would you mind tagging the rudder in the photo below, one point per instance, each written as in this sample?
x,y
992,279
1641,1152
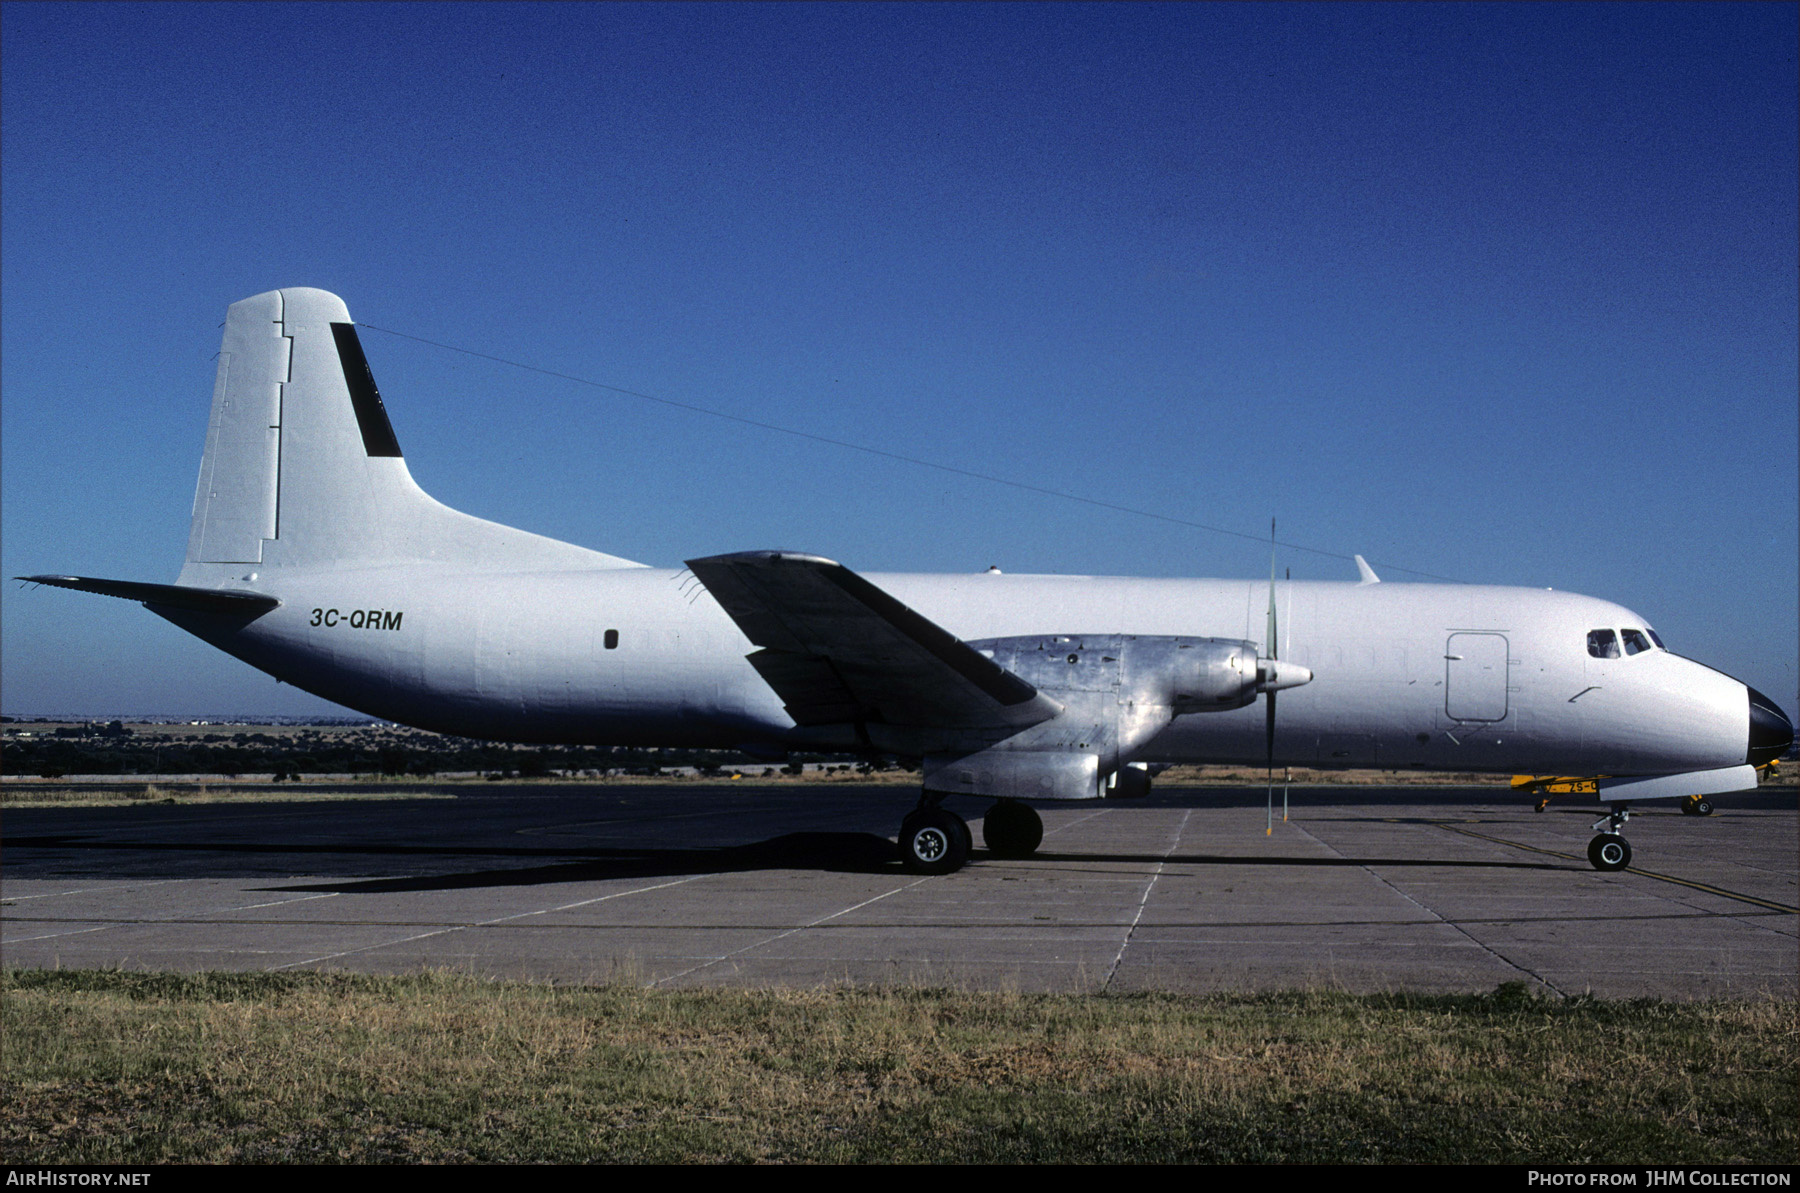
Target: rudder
x,y
235,501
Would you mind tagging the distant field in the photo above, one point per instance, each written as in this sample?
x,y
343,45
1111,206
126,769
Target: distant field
x,y
199,731
134,1068
61,763
104,792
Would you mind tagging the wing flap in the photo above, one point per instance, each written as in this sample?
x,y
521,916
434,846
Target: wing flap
x,y
839,650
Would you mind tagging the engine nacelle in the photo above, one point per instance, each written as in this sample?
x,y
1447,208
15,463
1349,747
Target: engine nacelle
x,y
1118,691
1183,674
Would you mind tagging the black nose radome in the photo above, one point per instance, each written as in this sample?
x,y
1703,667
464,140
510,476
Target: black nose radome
x,y
1771,733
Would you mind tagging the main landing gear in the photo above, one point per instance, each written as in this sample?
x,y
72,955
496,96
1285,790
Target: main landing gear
x,y
1012,829
1610,850
935,840
1696,805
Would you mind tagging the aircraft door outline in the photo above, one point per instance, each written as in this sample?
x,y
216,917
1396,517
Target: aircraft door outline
x,y
1475,677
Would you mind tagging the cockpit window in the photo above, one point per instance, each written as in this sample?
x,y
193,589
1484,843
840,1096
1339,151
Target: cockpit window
x,y
1603,644
1655,637
1635,642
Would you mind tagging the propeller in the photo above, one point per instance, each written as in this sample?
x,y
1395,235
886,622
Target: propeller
x,y
1272,676
1287,772
1269,692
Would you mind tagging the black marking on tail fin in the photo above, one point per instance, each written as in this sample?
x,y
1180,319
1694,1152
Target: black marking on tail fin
x,y
371,415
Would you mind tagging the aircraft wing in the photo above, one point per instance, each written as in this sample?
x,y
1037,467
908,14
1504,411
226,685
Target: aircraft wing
x,y
838,650
168,596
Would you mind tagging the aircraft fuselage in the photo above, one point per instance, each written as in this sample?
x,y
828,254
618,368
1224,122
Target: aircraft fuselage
x,y
1457,677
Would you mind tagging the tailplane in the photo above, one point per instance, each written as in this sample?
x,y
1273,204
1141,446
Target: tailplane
x,y
303,470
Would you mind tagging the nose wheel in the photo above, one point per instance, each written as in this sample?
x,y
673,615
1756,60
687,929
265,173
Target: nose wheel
x,y
1610,850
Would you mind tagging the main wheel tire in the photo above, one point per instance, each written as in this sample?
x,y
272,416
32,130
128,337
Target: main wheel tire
x,y
968,834
1012,829
1702,806
1609,851
933,841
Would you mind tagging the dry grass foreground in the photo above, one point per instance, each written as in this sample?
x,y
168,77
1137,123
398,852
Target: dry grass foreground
x,y
135,1068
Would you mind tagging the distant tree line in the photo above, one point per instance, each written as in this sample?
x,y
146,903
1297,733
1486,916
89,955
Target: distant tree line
x,y
114,749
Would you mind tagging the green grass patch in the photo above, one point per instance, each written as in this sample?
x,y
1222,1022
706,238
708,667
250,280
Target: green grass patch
x,y
130,1068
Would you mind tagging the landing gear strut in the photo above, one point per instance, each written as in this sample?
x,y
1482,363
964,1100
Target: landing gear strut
x,y
1012,829
934,840
1610,850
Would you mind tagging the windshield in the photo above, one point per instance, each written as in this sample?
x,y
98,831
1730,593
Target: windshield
x,y
1615,644
1603,644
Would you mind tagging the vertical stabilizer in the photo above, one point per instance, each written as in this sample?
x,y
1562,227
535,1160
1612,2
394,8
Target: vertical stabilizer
x,y
303,469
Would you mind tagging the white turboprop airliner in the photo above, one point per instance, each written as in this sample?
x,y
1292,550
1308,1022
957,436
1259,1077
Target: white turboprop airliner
x,y
314,557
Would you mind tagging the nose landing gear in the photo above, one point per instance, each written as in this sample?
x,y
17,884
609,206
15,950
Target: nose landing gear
x,y
1610,850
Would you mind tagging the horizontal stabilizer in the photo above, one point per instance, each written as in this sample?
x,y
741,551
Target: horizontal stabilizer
x,y
168,596
839,650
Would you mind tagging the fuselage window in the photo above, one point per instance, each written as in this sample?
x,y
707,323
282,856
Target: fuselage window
x,y
1603,644
1635,642
612,639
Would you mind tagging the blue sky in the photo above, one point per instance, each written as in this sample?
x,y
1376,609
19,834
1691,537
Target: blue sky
x,y
1500,293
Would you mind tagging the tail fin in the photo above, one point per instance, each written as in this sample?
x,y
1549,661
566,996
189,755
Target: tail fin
x,y
302,468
